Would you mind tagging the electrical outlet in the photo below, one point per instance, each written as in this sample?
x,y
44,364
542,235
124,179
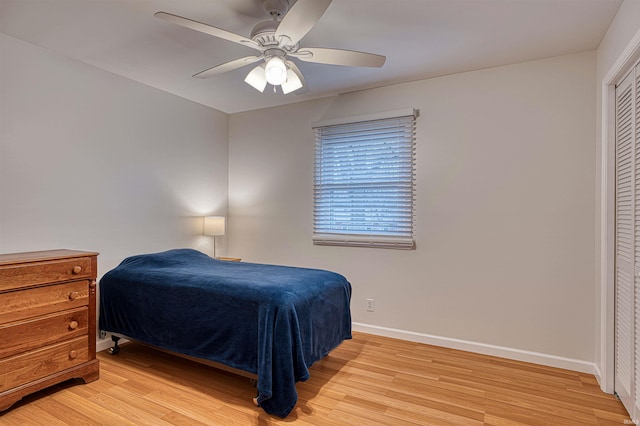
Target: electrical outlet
x,y
370,305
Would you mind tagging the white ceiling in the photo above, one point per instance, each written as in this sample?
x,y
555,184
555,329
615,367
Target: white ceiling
x,y
420,38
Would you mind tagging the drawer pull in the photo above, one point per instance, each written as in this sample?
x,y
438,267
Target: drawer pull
x,y
73,295
77,269
73,325
73,354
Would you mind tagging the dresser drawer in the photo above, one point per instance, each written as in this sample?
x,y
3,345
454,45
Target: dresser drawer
x,y
19,276
18,305
22,336
36,364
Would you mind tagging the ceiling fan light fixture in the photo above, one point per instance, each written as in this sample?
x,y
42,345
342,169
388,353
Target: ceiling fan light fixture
x,y
275,71
256,78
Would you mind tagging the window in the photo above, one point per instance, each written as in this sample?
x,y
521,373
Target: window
x,y
364,181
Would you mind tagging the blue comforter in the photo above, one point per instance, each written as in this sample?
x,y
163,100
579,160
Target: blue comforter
x,y
272,321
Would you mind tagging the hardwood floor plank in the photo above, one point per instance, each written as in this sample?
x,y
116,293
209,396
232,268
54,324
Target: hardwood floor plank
x,y
460,408
559,410
608,416
190,405
136,402
178,419
35,417
430,417
493,420
140,414
533,417
57,410
360,415
93,411
440,391
367,380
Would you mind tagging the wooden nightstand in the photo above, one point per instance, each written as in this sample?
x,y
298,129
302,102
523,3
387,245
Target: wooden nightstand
x,y
230,259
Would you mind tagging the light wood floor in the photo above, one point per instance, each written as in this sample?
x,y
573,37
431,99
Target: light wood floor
x,y
369,380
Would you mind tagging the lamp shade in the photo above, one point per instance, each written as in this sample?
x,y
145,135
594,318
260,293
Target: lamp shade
x,y
213,225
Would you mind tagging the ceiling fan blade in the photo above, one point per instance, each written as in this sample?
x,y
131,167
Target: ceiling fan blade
x,y
207,29
349,58
295,79
256,78
228,66
302,16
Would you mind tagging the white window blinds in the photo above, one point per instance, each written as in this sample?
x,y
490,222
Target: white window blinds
x,y
365,182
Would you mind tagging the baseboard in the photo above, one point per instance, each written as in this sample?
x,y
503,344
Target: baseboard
x,y
481,348
598,374
103,344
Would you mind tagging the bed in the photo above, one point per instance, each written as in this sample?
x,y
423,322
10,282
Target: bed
x,y
268,320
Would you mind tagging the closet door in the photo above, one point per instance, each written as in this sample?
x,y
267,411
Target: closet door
x,y
627,258
635,344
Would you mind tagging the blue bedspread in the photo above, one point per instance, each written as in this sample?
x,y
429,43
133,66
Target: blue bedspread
x,y
272,321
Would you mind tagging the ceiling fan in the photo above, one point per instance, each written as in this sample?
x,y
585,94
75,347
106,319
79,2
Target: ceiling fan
x,y
277,41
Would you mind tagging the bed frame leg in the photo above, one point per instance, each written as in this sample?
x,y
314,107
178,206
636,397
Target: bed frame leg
x,y
115,349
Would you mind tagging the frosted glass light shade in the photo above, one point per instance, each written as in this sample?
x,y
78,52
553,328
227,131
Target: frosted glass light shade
x,y
213,225
276,71
293,82
256,78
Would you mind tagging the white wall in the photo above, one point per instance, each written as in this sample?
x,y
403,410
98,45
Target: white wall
x,y
504,218
92,161
622,30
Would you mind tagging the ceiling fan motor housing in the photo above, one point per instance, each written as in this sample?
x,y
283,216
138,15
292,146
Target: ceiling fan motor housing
x,y
264,34
264,28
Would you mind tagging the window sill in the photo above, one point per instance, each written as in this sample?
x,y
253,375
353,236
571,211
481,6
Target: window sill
x,y
373,241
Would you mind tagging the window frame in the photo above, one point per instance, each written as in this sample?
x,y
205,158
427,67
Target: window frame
x,y
404,236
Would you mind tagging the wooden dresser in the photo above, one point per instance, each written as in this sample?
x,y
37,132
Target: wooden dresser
x,y
47,321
